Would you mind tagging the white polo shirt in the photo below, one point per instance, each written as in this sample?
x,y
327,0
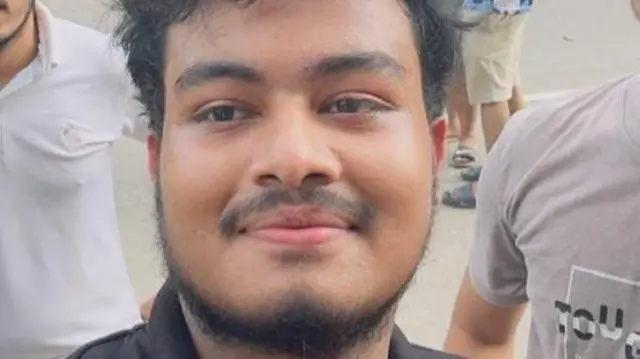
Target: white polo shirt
x,y
63,280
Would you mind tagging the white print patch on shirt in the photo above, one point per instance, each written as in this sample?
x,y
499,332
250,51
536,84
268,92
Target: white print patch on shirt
x,y
600,316
72,136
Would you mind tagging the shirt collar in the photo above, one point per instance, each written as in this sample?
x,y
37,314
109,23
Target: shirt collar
x,y
170,338
49,53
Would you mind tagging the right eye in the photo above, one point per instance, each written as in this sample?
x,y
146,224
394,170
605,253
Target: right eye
x,y
223,114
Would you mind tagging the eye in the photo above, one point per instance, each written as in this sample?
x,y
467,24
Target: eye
x,y
354,105
222,114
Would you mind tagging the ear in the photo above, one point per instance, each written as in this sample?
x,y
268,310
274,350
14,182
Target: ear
x,y
153,156
439,137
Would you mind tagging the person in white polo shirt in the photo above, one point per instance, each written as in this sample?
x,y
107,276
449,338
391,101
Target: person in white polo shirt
x,y
65,97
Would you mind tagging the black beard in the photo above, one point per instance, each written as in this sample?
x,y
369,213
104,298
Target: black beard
x,y
5,41
299,326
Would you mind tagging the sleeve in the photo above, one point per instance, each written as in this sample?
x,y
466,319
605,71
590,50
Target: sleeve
x,y
496,266
135,122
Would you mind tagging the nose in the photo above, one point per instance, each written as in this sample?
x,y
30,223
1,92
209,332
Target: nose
x,y
296,152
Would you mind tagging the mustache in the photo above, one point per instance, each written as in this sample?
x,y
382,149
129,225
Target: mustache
x,y
360,214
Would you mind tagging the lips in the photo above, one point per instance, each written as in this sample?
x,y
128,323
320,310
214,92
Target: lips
x,y
297,226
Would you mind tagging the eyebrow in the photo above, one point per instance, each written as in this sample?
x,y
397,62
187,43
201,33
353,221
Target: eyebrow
x,y
205,72
373,62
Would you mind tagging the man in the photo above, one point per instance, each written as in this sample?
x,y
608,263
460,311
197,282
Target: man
x,y
558,227
64,97
294,160
491,57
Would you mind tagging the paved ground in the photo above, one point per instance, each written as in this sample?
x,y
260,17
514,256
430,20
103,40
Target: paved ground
x,y
565,49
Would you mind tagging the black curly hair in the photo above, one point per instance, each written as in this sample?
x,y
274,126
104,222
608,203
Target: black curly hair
x,y
143,25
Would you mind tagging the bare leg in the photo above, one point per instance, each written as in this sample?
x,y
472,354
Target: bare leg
x,y
453,121
467,124
494,116
516,102
464,115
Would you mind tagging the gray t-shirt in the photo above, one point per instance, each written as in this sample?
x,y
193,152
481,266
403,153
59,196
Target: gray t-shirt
x,y
559,223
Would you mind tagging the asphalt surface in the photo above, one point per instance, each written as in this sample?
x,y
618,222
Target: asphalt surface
x,y
569,44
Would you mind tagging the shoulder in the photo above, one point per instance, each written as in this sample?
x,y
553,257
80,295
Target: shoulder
x,y
78,37
575,107
557,128
129,344
79,32
84,46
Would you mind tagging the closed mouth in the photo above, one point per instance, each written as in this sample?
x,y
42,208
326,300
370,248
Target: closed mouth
x,y
298,218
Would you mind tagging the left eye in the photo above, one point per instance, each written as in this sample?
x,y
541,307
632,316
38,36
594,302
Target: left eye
x,y
353,106
223,113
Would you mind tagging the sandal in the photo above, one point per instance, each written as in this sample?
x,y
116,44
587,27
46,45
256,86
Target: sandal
x,y
463,157
471,174
461,197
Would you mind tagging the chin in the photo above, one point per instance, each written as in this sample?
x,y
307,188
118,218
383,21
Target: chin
x,y
299,322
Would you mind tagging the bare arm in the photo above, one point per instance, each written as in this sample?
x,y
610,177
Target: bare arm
x,y
493,294
480,330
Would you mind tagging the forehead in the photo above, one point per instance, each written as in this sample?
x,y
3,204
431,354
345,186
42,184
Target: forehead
x,y
289,33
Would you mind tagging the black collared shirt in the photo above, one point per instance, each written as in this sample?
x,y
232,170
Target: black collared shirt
x,y
166,337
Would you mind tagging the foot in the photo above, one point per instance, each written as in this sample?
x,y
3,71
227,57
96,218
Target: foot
x,y
462,197
472,174
463,157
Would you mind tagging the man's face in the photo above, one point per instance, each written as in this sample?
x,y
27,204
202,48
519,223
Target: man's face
x,y
295,171
12,16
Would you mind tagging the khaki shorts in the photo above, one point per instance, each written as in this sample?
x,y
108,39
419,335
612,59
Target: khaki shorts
x,y
491,56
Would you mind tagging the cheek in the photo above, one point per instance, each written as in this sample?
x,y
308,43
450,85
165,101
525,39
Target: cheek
x,y
398,179
197,181
398,174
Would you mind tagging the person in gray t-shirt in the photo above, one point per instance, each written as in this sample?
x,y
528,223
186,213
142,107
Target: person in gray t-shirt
x,y
558,227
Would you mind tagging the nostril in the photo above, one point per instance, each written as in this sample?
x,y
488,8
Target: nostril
x,y
316,179
268,180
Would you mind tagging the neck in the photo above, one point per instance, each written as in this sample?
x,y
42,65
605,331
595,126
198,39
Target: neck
x,y
19,53
207,348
